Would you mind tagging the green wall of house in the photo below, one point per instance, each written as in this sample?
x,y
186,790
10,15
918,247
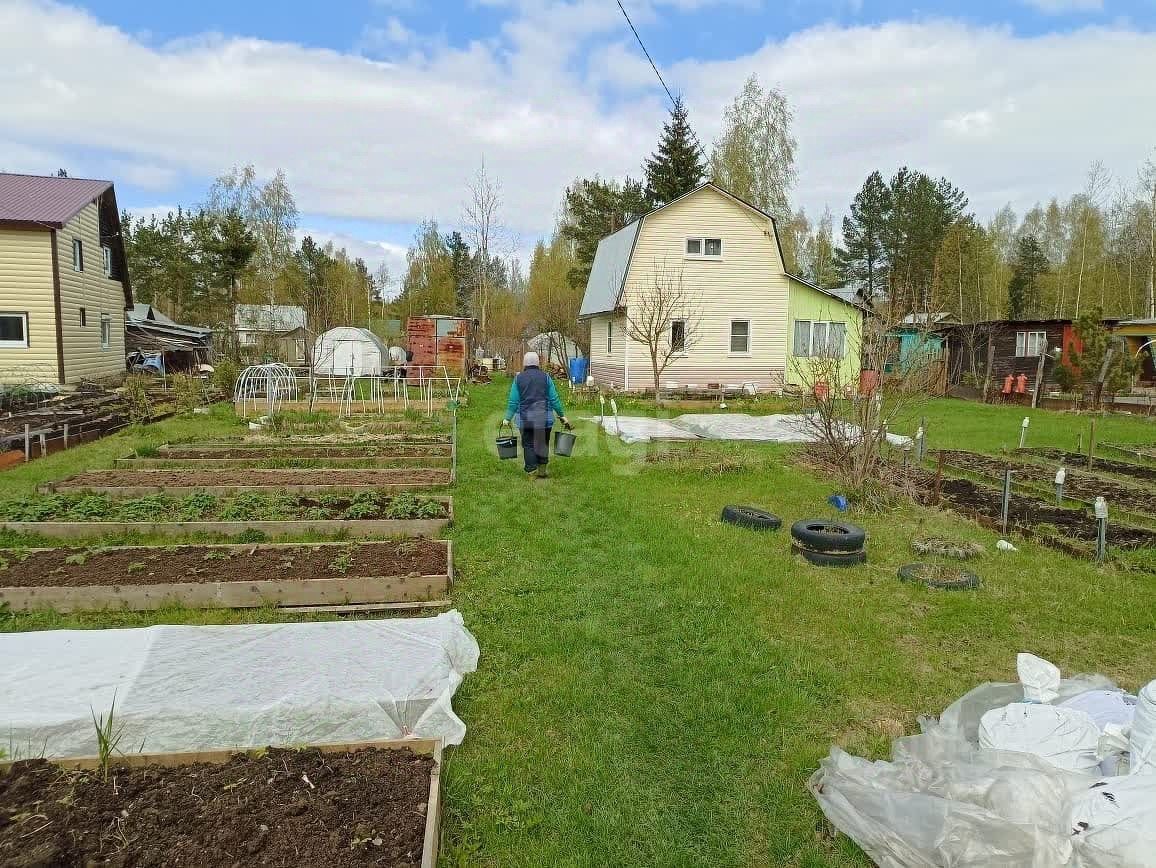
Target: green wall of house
x,y
807,304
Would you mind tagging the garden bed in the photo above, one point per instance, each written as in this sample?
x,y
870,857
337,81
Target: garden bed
x,y
369,803
279,462
207,576
1136,472
360,513
256,479
400,449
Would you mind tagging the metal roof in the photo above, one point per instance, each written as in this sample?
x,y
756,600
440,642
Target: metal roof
x,y
608,272
271,318
50,201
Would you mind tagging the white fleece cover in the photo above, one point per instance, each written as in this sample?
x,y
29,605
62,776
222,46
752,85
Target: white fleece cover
x,y
774,428
240,686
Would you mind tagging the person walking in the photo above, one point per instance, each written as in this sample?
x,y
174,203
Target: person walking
x,y
534,401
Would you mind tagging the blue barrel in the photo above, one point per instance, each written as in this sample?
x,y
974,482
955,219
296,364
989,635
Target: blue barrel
x,y
578,370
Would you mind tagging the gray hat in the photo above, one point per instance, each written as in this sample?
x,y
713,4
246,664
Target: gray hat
x,y
530,360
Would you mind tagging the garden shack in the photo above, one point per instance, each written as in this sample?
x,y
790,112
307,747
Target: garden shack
x,y
439,341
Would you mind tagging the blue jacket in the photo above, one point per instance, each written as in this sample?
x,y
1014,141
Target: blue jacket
x,y
534,398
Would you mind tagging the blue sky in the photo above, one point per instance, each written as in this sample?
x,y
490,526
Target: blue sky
x,y
380,111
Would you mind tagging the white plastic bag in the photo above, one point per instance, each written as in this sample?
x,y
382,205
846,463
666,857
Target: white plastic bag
x,y
1113,823
1142,740
1041,679
1066,738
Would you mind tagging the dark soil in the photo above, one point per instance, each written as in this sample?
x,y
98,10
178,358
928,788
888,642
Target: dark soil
x,y
1137,472
256,476
1080,485
276,452
284,808
1026,512
158,565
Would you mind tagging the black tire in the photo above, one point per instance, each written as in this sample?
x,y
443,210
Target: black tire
x,y
828,535
751,517
830,559
937,576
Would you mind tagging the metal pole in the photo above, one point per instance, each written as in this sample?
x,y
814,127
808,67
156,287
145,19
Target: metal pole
x,y
1007,479
1061,475
1091,444
65,435
938,475
27,442
43,444
1024,431
1101,512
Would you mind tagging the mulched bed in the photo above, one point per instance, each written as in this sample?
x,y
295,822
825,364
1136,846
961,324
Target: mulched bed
x,y
258,476
1138,472
1081,485
158,565
275,452
284,808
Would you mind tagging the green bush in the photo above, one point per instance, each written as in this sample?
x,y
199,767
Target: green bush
x,y
224,377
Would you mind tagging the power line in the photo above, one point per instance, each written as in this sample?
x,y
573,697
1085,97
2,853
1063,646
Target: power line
x,y
644,51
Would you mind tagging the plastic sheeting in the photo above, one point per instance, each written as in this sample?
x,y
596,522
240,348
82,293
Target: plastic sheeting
x,y
782,428
944,800
197,688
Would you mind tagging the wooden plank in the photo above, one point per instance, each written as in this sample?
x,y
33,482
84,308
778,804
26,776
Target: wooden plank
x,y
133,490
353,608
333,450
417,462
427,746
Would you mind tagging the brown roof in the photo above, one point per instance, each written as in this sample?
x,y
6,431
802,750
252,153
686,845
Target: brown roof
x,y
48,201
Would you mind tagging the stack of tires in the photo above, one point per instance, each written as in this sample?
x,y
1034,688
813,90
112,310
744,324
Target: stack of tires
x,y
828,543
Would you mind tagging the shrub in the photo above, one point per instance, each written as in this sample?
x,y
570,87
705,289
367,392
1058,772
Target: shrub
x,y
187,392
224,377
136,398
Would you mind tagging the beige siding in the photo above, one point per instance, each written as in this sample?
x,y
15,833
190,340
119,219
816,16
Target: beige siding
x,y
608,368
26,287
84,357
747,283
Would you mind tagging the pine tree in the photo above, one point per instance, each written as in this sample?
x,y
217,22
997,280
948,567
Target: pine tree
x,y
862,257
460,265
676,167
1023,291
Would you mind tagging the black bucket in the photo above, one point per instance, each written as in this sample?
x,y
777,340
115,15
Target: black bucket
x,y
507,447
564,443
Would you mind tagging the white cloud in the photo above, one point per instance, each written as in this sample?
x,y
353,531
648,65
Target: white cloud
x,y
1059,7
375,253
1003,115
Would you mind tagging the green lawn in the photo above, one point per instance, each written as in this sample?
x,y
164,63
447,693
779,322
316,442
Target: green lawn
x,y
655,687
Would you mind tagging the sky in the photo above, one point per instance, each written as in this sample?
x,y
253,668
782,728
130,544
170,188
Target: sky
x,y
381,111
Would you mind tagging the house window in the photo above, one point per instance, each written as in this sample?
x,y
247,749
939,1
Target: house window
x,y
13,331
299,347
77,255
105,331
83,317
609,338
106,251
740,336
704,248
820,339
678,336
1031,343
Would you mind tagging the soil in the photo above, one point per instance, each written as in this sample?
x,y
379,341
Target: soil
x,y
1083,486
159,565
275,452
1026,512
282,808
1137,472
254,477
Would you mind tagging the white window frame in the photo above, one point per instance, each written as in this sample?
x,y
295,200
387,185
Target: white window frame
x,y
16,345
106,252
815,348
702,254
680,351
77,254
299,348
731,338
105,331
1026,341
83,316
609,337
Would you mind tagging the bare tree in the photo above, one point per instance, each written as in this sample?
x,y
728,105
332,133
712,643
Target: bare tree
x,y
665,318
1097,183
1148,189
484,232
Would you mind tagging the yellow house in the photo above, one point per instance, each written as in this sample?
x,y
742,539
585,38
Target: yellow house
x,y
743,320
64,284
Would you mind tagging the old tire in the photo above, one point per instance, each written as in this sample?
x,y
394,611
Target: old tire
x,y
937,576
830,559
828,535
751,517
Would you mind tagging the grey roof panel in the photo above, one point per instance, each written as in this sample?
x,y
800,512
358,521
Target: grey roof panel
x,y
608,272
51,201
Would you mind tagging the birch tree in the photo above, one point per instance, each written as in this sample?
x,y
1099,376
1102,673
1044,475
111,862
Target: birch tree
x,y
484,232
1148,193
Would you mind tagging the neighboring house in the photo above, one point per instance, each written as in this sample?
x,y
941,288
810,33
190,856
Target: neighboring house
x,y
553,348
917,340
1139,335
755,323
276,331
64,284
149,333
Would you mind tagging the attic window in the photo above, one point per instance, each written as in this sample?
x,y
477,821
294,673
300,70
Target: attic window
x,y
77,255
107,252
704,248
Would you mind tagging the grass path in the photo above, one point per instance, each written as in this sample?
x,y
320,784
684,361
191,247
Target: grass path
x,y
655,687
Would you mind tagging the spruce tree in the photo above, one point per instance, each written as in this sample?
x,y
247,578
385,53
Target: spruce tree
x,y
1023,291
676,167
863,259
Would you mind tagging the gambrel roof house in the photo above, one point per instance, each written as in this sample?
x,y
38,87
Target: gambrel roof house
x,y
64,285
753,322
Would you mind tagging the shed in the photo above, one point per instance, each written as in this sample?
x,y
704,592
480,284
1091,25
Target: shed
x,y
350,352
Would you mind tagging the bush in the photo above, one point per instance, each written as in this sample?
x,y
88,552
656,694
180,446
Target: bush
x,y
224,377
136,398
187,392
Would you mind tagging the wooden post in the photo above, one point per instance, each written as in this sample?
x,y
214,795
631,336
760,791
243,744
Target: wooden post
x,y
1091,444
27,442
938,476
990,362
1099,389
1039,378
43,444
